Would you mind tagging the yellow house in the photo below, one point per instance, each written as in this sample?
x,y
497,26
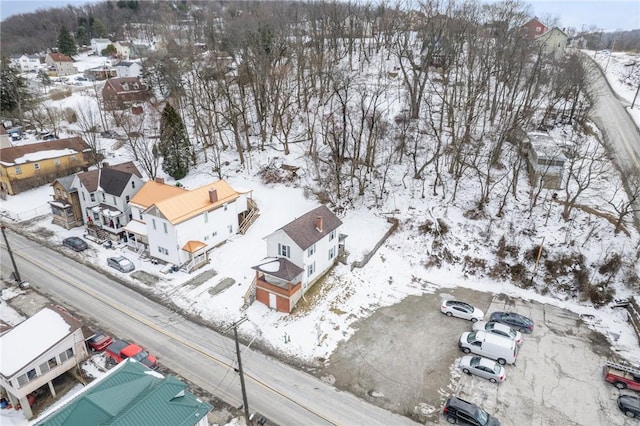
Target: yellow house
x,y
29,166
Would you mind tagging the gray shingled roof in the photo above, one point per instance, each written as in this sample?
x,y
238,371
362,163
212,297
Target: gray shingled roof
x,y
112,179
286,269
303,230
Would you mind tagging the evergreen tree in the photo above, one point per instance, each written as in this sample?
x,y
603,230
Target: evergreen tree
x,y
14,95
98,29
82,36
174,143
66,44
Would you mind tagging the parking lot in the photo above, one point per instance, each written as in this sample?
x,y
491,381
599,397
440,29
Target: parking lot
x,y
404,358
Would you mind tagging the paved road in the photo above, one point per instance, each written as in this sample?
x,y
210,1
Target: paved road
x,y
200,355
611,117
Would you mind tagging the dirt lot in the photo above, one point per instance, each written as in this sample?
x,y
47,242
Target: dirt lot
x,y
404,358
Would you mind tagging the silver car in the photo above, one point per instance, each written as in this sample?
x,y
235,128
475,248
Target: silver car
x,y
482,367
499,329
121,263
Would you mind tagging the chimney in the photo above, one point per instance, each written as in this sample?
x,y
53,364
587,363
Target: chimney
x,y
159,179
213,195
319,223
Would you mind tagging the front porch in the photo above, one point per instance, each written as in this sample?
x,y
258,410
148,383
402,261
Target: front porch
x,y
106,222
278,284
63,215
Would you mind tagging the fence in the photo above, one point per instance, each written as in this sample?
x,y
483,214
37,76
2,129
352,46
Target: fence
x,y
368,256
26,214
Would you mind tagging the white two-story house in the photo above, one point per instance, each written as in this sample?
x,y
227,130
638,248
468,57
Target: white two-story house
x,y
297,255
37,351
180,226
104,196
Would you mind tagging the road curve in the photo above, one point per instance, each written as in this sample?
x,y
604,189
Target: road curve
x,y
621,133
283,394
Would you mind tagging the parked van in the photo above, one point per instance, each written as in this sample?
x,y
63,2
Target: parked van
x,y
502,349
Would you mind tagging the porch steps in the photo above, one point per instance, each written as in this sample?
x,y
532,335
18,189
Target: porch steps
x,y
249,220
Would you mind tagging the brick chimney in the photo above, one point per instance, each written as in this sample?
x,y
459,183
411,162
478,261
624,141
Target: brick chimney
x,y
213,195
319,223
159,179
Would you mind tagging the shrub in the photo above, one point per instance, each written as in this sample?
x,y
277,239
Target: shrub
x,y
611,266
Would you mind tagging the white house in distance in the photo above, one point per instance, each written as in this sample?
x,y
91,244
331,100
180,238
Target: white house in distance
x,y
128,69
297,255
61,64
99,44
553,42
180,226
37,351
26,63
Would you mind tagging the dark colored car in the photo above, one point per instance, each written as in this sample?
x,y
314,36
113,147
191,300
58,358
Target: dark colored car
x,y
516,321
458,410
99,341
75,243
629,405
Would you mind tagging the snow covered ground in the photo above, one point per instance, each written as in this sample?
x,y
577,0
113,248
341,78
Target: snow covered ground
x,y
403,266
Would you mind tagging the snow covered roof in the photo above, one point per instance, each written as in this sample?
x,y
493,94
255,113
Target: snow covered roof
x,y
279,267
33,337
42,150
136,227
545,146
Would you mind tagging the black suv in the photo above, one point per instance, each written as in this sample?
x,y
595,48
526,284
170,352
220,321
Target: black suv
x,y
458,410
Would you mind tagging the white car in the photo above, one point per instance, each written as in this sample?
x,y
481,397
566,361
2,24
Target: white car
x,y
121,263
499,329
482,367
455,308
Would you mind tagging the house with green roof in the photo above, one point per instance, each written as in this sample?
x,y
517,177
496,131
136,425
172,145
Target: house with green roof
x,y
132,394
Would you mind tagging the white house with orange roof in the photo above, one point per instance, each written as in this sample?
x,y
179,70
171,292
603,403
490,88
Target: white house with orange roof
x,y
179,226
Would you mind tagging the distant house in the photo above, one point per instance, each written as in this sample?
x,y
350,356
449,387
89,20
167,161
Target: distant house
x,y
123,49
297,255
61,64
553,42
132,394
99,44
545,160
180,226
104,196
25,63
65,206
122,93
128,69
36,352
102,72
33,165
534,28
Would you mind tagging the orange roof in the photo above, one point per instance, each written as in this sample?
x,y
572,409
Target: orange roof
x,y
188,204
193,246
153,192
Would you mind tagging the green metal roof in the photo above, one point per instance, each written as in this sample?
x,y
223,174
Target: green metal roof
x,y
131,394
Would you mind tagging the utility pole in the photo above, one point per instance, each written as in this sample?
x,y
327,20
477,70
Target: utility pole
x,y
13,261
610,53
244,390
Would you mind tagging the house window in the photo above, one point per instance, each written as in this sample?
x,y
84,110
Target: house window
x,y
103,197
96,217
127,198
311,269
332,235
18,170
73,158
83,198
332,253
93,197
214,233
206,238
226,206
56,162
311,250
58,192
36,166
153,222
133,184
206,217
163,250
164,226
114,199
230,227
284,251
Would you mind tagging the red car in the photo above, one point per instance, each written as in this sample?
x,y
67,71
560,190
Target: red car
x,y
99,341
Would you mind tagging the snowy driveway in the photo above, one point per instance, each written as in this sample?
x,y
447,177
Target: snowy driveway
x,y
409,364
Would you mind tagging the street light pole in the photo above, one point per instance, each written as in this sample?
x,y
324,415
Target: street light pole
x,y
13,261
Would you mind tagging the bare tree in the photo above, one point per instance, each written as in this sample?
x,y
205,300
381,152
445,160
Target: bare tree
x,y
625,198
88,121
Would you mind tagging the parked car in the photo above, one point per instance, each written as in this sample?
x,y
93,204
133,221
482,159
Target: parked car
x,y
629,405
121,263
75,243
455,308
482,367
457,409
622,376
517,321
503,350
99,341
499,329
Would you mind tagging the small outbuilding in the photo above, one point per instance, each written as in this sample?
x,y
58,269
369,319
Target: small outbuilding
x,y
545,160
